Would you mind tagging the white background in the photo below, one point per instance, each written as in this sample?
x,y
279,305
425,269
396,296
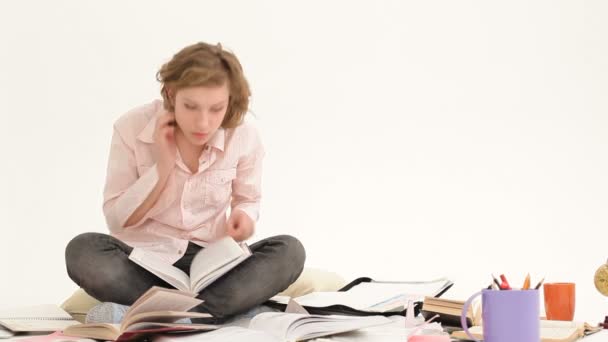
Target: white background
x,y
405,139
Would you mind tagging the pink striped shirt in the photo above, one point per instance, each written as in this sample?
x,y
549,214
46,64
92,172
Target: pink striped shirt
x,y
191,207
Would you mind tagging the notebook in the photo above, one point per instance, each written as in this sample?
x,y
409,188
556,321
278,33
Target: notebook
x,y
364,296
39,318
550,331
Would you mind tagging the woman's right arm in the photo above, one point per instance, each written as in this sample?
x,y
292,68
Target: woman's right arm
x,y
128,197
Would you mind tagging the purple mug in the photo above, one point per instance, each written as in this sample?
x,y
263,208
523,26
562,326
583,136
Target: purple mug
x,y
508,315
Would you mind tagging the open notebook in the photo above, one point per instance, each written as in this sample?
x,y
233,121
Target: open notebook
x,y
550,331
39,318
372,296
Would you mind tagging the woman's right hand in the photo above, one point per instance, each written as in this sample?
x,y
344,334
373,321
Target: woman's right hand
x,y
164,139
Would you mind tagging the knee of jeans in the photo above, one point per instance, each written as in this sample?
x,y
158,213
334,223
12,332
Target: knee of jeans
x,y
77,252
236,304
294,254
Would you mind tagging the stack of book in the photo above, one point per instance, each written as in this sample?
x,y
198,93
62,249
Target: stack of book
x,y
448,310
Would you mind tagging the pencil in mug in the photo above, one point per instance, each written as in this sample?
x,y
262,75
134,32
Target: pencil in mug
x,y
526,283
539,284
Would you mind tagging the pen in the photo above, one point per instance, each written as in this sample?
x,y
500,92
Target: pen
x,y
539,283
526,283
496,281
505,284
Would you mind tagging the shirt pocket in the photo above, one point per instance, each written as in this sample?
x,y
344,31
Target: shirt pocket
x,y
218,186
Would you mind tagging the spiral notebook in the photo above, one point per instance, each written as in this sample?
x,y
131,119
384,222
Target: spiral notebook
x,y
39,318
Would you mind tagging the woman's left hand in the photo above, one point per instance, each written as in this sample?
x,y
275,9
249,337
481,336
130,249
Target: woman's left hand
x,y
240,226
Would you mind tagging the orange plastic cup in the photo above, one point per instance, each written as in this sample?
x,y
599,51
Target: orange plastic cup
x,y
559,301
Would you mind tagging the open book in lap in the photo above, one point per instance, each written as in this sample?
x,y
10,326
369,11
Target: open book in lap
x,y
155,311
209,264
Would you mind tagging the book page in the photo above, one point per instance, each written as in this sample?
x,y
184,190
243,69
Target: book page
x,y
288,326
101,331
220,335
374,296
169,273
213,276
163,317
45,311
211,261
444,302
37,326
323,299
160,299
281,299
274,323
545,323
39,318
415,290
547,334
56,336
553,333
160,326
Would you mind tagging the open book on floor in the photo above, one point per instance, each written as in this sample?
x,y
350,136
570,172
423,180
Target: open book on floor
x,y
208,265
298,327
39,318
225,334
281,327
550,331
155,311
364,296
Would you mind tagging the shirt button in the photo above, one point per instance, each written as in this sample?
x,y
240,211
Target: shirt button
x,y
179,251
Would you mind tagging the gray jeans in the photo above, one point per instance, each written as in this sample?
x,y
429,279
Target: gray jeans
x,y
99,263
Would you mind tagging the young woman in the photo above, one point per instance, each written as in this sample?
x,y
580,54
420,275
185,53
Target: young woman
x,y
176,165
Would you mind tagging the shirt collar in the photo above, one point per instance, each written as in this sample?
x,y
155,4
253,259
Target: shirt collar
x,y
218,139
147,135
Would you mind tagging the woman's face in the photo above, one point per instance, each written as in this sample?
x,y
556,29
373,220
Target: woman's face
x,y
200,111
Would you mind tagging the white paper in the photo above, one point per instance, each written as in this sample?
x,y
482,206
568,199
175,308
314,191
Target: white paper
x,y
227,334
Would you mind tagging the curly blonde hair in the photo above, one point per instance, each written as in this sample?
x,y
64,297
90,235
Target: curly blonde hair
x,y
203,64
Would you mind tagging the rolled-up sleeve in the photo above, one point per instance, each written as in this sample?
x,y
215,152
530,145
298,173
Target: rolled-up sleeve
x,y
246,187
125,190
